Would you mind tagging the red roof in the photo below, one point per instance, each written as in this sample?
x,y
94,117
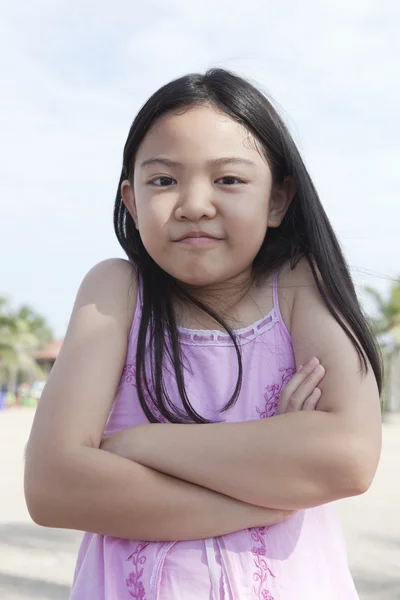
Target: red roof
x,y
49,352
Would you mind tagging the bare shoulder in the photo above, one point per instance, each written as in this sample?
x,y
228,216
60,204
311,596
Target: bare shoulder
x,y
111,285
298,277
292,283
117,268
82,385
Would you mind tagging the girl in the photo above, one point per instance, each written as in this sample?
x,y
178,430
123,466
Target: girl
x,y
218,391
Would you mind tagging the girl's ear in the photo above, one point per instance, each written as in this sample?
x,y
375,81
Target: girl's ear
x,y
128,198
281,198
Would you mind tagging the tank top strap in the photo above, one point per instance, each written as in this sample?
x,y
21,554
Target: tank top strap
x,y
277,309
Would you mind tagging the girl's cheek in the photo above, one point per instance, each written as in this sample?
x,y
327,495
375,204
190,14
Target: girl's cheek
x,y
151,215
160,210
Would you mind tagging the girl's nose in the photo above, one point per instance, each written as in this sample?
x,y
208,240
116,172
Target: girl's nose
x,y
195,204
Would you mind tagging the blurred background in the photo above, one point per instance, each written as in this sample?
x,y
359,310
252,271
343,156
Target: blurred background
x,y
73,76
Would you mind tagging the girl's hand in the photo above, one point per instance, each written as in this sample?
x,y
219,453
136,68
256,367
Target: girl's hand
x,y
302,393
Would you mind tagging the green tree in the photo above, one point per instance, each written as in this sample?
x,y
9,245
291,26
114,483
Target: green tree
x,y
386,324
22,333
387,319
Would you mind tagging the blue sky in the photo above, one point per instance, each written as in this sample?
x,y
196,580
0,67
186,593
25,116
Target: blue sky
x,y
74,74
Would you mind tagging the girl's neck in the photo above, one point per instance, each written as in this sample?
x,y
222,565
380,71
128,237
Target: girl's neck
x,y
239,302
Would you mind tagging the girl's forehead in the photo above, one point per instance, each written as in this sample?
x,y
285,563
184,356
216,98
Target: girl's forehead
x,y
202,128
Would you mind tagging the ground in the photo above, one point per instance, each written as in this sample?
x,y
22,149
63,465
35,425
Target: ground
x,y
38,563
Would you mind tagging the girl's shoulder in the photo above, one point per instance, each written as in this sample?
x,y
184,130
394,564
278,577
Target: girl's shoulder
x,y
292,282
82,385
112,284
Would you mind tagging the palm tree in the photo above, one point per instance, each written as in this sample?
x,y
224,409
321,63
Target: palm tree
x,y
388,309
8,337
386,325
22,333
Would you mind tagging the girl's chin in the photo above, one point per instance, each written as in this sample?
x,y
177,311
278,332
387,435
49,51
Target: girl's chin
x,y
205,276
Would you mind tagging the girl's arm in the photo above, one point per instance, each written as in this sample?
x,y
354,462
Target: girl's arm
x,y
69,481
295,460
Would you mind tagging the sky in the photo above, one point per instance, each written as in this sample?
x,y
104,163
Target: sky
x,y
74,75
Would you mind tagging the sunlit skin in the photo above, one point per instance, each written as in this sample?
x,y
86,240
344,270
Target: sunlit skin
x,y
200,172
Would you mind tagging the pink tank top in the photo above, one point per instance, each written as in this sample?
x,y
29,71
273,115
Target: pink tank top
x,y
302,558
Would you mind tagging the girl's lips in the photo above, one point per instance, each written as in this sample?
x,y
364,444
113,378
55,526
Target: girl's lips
x,y
199,240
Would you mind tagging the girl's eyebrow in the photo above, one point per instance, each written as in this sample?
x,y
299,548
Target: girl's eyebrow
x,y
216,162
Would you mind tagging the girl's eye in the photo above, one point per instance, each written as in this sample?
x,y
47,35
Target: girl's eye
x,y
229,180
163,181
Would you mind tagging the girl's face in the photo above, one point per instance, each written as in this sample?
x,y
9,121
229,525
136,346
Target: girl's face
x,y
202,197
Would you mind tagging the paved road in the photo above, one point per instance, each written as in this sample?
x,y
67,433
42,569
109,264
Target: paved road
x,y
37,563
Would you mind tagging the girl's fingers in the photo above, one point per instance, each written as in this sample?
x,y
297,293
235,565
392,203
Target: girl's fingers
x,y
301,385
301,373
305,389
312,400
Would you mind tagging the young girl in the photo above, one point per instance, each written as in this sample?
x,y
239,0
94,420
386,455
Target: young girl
x,y
215,393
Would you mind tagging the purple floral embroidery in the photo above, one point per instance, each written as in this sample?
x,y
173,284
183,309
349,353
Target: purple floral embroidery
x,y
273,392
129,376
134,581
260,576
259,550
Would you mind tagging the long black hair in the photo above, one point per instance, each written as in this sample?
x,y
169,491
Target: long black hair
x,y
305,232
